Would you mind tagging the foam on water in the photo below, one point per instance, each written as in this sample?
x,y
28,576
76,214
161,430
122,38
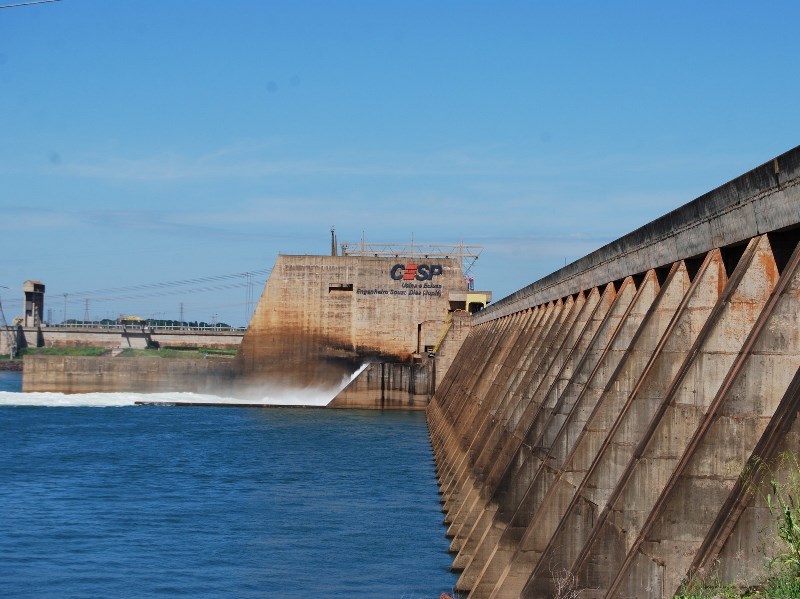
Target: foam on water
x,y
299,397
104,400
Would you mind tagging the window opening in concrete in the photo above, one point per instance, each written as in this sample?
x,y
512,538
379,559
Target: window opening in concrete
x,y
475,307
783,244
693,265
731,255
338,287
662,272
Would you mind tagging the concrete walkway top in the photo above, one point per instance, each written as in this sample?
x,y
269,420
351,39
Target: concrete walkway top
x,y
763,200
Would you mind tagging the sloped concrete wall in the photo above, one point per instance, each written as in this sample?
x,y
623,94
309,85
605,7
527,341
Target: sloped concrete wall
x,y
600,425
321,317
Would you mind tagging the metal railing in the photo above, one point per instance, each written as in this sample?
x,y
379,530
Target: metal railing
x,y
149,327
411,250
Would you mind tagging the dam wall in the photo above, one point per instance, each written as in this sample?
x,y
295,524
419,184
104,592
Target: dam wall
x,y
79,374
599,429
407,385
117,338
320,318
389,386
111,374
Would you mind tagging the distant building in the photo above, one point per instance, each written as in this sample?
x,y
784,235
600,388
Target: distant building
x,y
34,303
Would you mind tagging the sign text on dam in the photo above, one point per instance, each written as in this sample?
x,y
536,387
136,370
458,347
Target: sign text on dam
x,y
419,272
409,274
409,290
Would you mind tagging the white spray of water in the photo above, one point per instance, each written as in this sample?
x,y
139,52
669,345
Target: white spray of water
x,y
309,396
304,397
108,400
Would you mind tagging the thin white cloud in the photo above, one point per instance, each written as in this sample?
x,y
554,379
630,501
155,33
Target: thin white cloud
x,y
485,167
36,219
232,164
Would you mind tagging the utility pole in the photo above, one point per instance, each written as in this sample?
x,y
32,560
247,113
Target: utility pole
x,y
65,309
248,296
181,315
86,311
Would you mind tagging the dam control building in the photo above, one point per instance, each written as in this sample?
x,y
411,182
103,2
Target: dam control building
x,y
320,318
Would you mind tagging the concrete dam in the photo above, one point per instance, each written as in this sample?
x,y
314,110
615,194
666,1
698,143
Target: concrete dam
x,y
396,314
597,429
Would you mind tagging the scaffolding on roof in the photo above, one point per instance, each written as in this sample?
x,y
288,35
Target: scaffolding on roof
x,y
465,254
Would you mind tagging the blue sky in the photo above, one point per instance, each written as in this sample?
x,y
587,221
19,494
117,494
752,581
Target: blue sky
x,y
147,142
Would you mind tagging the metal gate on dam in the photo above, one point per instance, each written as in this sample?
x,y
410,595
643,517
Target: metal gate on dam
x,y
600,425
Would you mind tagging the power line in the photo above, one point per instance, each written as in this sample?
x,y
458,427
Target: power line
x,y
28,3
157,288
191,289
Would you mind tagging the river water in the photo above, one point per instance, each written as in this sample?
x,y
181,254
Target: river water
x,y
102,498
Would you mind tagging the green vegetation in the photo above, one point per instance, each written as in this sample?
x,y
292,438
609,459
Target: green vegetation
x,y
220,352
783,501
698,590
188,353
780,587
784,504
211,351
775,587
62,351
134,321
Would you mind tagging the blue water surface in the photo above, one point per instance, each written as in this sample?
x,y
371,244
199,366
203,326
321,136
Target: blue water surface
x,y
10,380
148,501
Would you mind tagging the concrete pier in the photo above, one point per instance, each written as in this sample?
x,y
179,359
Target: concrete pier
x,y
600,426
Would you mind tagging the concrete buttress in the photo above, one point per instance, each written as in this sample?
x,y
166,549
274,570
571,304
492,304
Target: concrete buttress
x,y
610,425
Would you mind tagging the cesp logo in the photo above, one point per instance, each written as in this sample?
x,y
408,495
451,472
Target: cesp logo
x,y
411,272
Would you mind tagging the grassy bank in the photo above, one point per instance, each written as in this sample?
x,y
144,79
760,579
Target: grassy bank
x,y
62,351
194,353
